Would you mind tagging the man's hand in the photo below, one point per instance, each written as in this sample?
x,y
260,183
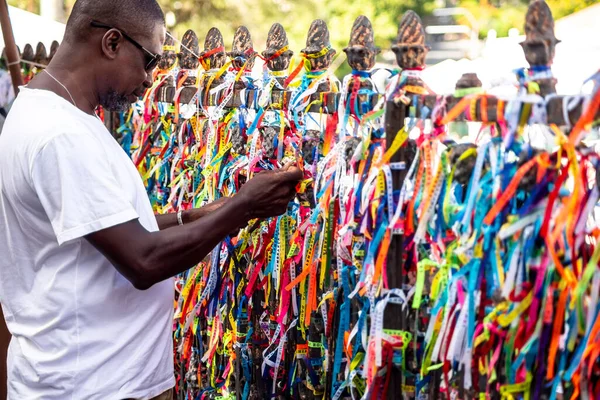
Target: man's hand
x,y
146,258
267,195
269,192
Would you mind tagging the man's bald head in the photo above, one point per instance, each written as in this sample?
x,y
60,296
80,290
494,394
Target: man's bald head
x,y
136,17
110,48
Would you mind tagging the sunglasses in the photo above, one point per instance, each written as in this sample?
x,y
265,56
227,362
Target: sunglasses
x,y
150,58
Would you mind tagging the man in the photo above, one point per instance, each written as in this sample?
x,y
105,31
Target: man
x,y
85,265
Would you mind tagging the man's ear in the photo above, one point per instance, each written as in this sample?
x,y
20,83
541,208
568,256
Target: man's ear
x,y
111,43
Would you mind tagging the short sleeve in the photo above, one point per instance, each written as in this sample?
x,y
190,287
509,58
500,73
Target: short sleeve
x,y
73,179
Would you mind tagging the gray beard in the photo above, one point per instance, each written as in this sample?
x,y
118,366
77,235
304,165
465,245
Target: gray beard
x,y
113,101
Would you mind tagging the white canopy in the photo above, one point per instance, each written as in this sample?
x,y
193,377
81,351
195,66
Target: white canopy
x,y
577,58
32,28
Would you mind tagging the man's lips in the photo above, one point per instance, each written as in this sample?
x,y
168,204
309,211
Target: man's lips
x,y
134,97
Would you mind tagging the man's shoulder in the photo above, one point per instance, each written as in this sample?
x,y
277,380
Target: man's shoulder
x,y
44,109
25,136
35,124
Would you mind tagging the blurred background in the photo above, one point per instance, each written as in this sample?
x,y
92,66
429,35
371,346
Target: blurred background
x,y
479,36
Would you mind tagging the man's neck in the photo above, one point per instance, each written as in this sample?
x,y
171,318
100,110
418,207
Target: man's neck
x,y
68,78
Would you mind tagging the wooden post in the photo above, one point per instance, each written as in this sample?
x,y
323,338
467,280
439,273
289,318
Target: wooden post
x,y
319,53
394,318
276,39
12,54
277,57
166,92
312,141
361,52
277,63
242,57
539,48
212,58
410,51
539,45
188,60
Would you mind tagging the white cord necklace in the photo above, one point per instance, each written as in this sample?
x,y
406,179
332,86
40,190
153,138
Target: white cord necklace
x,y
63,86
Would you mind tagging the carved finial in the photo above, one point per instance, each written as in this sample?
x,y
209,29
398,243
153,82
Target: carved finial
x,y
540,42
361,49
242,49
410,46
277,41
188,60
468,81
188,53
169,56
318,47
166,92
3,59
28,53
53,50
213,56
41,55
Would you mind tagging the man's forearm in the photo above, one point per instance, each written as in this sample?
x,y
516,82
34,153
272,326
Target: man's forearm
x,y
146,258
155,256
178,249
166,221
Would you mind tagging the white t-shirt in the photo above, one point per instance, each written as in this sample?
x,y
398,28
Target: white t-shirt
x,y
80,329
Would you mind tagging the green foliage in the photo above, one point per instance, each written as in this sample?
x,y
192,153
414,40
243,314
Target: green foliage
x,y
499,18
29,5
506,14
561,8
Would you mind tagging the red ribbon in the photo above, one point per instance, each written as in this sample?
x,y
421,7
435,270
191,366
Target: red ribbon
x,y
210,53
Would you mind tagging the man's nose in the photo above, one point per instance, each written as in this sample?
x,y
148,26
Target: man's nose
x,y
148,81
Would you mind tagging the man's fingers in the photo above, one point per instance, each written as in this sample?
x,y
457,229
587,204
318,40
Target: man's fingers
x,y
288,165
291,191
291,174
290,171
286,191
